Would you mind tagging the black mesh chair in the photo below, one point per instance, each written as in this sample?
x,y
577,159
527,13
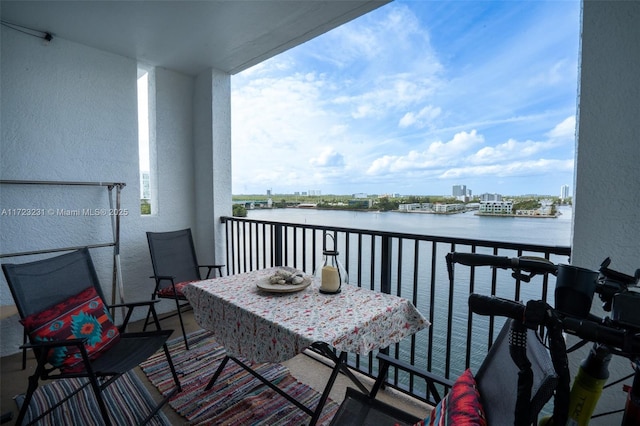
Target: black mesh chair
x,y
497,381
175,264
46,289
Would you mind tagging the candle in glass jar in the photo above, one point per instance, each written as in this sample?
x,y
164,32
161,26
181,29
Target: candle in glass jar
x,y
330,279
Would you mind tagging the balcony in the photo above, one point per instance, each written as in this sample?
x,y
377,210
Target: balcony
x,y
408,265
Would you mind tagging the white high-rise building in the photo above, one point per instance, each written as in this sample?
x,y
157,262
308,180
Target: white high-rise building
x,y
459,190
564,192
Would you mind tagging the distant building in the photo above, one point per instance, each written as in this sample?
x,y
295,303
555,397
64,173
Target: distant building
x,y
459,191
360,195
564,192
411,207
145,186
496,207
448,208
490,197
268,193
314,192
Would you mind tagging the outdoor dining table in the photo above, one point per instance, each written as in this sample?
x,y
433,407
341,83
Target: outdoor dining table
x,y
275,325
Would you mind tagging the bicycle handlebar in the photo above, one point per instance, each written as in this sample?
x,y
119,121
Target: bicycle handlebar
x,y
626,341
529,264
492,305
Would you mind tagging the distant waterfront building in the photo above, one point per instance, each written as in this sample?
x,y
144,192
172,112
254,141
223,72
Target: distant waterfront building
x,y
412,207
360,195
268,193
564,192
447,208
496,207
314,192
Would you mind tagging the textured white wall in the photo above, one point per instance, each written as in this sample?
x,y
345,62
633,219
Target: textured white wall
x,y
69,112
607,194
212,163
607,188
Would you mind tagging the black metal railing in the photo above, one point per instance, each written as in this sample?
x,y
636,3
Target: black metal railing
x,y
408,265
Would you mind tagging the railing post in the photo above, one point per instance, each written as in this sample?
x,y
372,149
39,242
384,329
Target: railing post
x,y
385,266
278,244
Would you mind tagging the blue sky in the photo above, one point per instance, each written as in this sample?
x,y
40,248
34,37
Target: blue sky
x,y
413,98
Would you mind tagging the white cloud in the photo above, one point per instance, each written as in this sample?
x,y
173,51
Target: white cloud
x,y
436,154
422,118
518,168
328,158
565,130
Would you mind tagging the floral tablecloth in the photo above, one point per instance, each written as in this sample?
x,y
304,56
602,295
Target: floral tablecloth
x,y
274,327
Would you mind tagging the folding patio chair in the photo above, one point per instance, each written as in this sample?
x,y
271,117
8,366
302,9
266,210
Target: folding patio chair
x,y
62,307
495,382
175,265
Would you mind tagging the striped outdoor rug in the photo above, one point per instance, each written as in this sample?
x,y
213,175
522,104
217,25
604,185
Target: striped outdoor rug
x,y
127,400
237,398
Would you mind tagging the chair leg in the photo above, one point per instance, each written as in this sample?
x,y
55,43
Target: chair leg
x,y
172,367
146,321
184,334
217,373
24,350
33,385
103,407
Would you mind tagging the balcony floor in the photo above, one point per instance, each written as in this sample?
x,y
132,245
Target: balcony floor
x,y
304,367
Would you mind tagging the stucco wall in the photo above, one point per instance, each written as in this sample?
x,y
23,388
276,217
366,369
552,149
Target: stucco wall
x,y
69,113
607,196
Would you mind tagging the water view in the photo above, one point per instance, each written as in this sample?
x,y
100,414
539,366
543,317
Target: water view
x,y
528,230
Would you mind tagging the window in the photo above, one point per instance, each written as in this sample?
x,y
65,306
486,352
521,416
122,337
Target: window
x,y
146,141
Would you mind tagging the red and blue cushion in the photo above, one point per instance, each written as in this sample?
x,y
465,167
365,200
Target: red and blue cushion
x,y
83,316
460,407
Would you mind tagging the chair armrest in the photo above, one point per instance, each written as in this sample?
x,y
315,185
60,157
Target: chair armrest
x,y
53,344
211,267
130,307
162,277
430,378
133,304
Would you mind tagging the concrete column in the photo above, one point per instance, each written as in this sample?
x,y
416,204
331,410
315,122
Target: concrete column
x,y
606,217
607,182
212,162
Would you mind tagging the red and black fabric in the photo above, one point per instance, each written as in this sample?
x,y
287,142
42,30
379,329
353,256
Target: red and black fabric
x,y
460,407
168,291
83,316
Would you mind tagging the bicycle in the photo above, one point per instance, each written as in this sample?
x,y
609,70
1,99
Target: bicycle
x,y
575,287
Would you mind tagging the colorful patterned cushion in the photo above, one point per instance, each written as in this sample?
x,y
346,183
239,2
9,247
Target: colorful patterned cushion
x,y
81,316
168,291
460,407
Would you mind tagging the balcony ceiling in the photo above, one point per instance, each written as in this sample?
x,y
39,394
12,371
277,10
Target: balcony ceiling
x,y
188,36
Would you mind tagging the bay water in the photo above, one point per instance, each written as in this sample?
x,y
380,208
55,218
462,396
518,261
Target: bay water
x,y
528,230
